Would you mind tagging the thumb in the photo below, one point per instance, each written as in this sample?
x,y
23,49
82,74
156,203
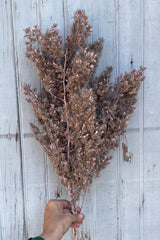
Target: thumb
x,y
73,218
77,217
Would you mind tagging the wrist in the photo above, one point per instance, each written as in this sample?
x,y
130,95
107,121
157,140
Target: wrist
x,y
49,236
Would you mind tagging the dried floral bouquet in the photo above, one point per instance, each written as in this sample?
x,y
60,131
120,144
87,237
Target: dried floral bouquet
x,y
82,116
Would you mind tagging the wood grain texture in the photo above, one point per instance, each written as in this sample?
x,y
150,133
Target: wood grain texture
x,y
33,160
8,106
123,203
151,120
130,56
129,189
12,222
151,60
151,184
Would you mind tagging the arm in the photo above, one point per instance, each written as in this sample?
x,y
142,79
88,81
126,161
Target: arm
x,y
58,219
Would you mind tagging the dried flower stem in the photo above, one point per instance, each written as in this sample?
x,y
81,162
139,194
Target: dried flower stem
x,y
65,102
68,147
84,195
57,97
75,235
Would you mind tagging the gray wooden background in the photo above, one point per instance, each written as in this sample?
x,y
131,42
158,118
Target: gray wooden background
x,y
124,203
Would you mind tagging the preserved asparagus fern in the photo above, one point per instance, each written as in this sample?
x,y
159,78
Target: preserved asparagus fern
x,y
82,116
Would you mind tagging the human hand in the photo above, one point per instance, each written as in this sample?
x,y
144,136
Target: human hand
x,y
58,219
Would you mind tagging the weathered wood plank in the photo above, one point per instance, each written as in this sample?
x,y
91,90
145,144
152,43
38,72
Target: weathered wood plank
x,y
151,60
34,185
151,120
12,222
129,188
130,56
151,184
8,106
106,194
34,173
25,15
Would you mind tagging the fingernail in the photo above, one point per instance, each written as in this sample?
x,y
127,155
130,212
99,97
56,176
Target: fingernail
x,y
81,215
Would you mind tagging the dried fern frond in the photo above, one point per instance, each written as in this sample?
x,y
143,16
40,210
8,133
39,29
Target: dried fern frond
x,y
81,116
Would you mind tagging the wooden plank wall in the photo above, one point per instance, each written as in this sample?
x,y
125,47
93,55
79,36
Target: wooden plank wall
x,y
123,204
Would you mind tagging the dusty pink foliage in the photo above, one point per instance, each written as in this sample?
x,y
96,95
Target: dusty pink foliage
x,y
82,116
